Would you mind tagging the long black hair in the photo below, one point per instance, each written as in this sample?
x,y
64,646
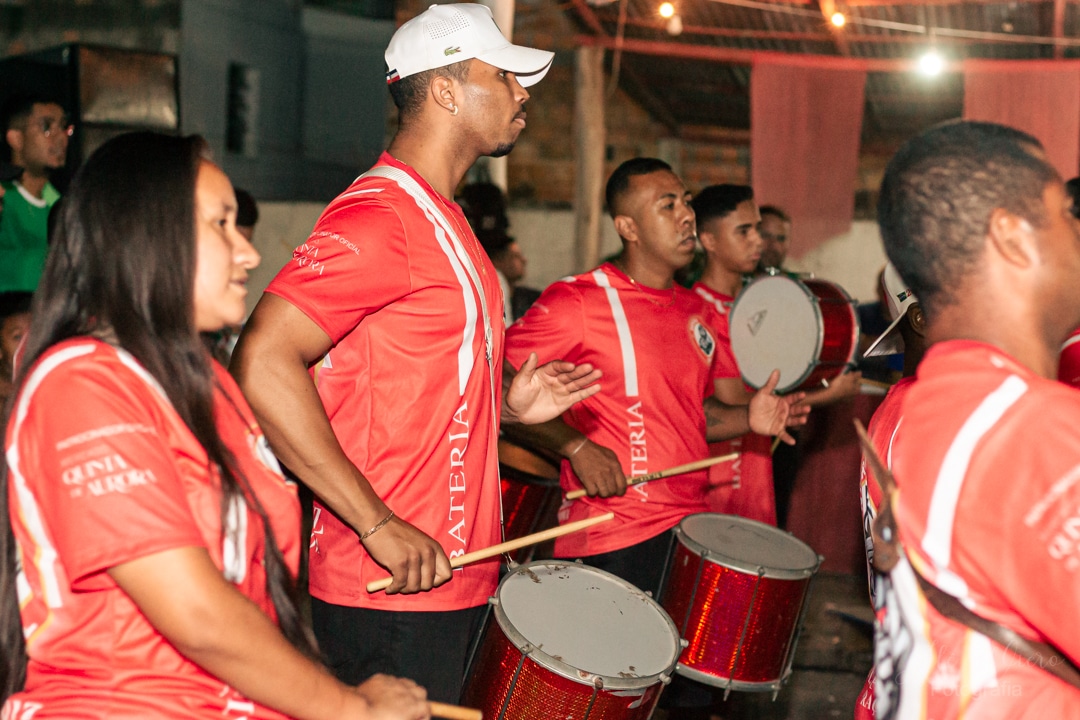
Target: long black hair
x,y
122,266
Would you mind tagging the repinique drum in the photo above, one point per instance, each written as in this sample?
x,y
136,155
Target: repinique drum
x,y
571,642
530,495
808,329
736,589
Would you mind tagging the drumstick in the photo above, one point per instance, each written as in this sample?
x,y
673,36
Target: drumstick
x,y
509,545
775,444
453,712
661,474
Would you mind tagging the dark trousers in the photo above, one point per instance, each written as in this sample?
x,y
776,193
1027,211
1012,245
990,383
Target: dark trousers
x,y
642,565
428,647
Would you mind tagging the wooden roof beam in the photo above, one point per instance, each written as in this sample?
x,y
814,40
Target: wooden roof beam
x,y
1058,29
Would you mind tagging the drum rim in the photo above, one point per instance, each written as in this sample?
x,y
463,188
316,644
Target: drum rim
x,y
724,683
820,334
567,671
715,556
820,338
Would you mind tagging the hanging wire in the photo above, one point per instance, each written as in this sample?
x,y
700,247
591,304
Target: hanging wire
x,y
616,58
909,27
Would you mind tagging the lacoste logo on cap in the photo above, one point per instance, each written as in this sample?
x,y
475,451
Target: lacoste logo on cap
x,y
451,50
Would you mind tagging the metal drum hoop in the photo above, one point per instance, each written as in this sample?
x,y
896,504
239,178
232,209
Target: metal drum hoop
x,y
549,662
732,563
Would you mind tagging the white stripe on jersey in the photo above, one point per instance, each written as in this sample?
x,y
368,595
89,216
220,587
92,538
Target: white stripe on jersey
x,y
234,557
1071,341
937,542
708,297
622,327
46,556
465,351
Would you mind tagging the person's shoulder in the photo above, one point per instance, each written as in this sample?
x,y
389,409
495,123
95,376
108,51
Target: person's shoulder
x,y
70,368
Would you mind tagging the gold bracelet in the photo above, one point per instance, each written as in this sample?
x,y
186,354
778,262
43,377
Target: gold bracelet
x,y
377,528
577,448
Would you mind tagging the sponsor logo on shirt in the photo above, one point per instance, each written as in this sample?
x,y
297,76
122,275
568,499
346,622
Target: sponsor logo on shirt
x,y
105,475
459,443
106,431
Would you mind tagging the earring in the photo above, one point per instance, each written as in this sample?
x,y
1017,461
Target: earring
x,y
453,110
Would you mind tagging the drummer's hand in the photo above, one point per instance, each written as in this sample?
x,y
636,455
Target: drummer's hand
x,y
391,698
538,394
415,560
840,388
772,414
599,470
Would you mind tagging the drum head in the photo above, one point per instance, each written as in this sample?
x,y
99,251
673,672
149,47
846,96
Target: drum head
x,y
775,323
585,622
747,545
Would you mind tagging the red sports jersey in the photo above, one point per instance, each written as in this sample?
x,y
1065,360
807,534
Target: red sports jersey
x,y
883,428
660,357
744,486
988,464
1069,362
102,472
408,383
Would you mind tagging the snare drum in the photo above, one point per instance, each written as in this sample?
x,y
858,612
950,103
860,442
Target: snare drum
x,y
808,329
530,495
736,590
571,642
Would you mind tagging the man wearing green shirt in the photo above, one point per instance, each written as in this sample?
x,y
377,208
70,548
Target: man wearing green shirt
x,y
36,131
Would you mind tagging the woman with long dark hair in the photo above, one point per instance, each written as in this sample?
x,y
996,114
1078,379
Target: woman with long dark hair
x,y
148,542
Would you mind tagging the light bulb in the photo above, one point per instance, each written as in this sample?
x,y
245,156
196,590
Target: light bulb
x,y
838,19
674,25
931,63
667,10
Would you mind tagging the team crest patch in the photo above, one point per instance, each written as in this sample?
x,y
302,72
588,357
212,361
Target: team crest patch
x,y
702,337
451,51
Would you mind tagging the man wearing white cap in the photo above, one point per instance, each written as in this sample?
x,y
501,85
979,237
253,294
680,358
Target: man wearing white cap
x,y
396,430
906,334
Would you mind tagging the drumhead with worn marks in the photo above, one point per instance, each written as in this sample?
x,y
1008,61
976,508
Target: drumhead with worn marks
x,y
587,622
775,323
746,545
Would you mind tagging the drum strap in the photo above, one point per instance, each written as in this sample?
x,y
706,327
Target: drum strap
x,y
887,552
1040,654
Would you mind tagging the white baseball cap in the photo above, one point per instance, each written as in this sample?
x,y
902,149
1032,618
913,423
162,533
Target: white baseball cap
x,y
898,298
446,34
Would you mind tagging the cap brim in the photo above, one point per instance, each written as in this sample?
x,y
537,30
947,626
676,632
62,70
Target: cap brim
x,y
890,342
528,64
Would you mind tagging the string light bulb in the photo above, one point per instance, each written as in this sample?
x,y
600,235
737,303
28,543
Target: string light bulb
x,y
838,19
931,63
667,10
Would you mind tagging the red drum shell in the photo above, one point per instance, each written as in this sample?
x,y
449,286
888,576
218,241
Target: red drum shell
x,y
530,495
740,621
809,329
516,679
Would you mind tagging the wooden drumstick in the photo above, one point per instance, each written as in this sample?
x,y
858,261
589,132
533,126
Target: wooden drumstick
x,y
508,546
661,474
453,712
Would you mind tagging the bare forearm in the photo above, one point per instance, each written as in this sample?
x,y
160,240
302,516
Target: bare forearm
x,y
554,436
287,406
723,422
207,620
